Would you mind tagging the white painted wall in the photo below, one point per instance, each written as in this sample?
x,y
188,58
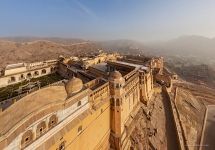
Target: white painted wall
x,y
15,70
4,81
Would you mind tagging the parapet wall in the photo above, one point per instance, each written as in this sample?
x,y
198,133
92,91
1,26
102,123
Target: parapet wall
x,y
177,123
203,128
12,100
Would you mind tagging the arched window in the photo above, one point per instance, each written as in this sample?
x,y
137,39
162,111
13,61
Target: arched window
x,y
22,77
27,138
79,103
41,128
43,71
62,146
36,73
12,79
29,75
52,121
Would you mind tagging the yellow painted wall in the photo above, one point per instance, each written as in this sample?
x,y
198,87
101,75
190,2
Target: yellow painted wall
x,y
125,110
95,129
128,105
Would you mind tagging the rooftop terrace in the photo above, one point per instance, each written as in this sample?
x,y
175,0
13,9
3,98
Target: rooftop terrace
x,y
13,66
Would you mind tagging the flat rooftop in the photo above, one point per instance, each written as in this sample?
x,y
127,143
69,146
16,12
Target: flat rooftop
x,y
128,64
13,66
137,66
101,66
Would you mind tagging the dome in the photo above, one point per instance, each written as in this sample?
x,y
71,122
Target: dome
x,y
74,85
115,75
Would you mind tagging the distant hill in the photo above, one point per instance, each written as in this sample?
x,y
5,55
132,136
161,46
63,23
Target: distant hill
x,y
197,46
39,50
52,39
189,46
191,57
196,73
123,46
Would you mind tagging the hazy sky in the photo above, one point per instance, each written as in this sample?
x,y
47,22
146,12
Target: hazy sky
x,y
108,19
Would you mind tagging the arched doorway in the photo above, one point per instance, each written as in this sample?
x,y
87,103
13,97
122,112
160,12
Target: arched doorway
x,y
43,71
22,77
13,79
36,73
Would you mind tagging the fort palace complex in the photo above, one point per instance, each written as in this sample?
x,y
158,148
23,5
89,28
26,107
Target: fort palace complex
x,y
91,107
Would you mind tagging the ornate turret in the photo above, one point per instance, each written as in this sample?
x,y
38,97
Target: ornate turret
x,y
116,77
116,90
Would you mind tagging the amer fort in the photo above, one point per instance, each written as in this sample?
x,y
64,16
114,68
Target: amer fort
x,y
80,103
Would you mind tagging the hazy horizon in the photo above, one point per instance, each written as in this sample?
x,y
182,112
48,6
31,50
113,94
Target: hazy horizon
x,y
141,20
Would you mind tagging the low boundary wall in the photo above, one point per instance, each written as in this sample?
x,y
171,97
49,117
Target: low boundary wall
x,y
203,129
177,123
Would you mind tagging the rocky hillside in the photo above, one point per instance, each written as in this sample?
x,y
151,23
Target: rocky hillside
x,y
198,46
66,41
14,52
192,70
123,46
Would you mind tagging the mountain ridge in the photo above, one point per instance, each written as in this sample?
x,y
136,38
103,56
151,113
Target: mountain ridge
x,y
15,52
